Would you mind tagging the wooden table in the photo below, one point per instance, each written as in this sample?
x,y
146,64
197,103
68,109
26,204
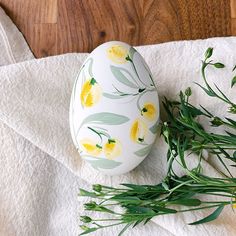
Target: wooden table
x,y
59,26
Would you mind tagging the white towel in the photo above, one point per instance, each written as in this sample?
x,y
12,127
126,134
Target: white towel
x,y
38,196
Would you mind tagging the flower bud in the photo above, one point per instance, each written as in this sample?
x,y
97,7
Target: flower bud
x,y
216,122
84,227
97,187
90,205
85,219
208,53
219,65
232,109
188,92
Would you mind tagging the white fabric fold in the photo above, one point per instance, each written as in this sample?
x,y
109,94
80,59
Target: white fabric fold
x,y
34,102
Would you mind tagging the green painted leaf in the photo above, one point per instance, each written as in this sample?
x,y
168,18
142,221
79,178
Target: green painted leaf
x,y
211,217
131,52
154,128
101,163
118,72
105,118
233,82
112,96
143,151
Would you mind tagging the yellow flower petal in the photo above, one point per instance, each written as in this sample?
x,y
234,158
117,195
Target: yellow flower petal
x,y
138,131
91,93
149,111
90,147
117,54
112,148
234,205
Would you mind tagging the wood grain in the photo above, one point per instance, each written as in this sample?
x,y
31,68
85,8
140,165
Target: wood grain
x,y
233,16
59,26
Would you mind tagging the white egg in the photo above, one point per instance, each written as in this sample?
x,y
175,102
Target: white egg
x,y
114,110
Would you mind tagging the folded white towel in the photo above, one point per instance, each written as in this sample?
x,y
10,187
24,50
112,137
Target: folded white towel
x,y
34,102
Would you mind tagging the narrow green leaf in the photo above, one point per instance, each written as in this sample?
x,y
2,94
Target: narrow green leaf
x,y
211,217
234,154
164,209
181,154
85,193
136,187
221,92
106,118
233,122
126,199
147,220
119,74
188,202
234,68
233,82
140,210
194,111
143,151
210,93
90,230
137,222
124,229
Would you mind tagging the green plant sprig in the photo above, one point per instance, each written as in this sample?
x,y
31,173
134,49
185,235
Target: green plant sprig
x,y
175,194
209,90
183,125
140,203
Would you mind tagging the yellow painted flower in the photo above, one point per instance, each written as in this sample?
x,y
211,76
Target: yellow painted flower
x,y
234,205
149,111
91,93
138,131
112,148
117,54
90,147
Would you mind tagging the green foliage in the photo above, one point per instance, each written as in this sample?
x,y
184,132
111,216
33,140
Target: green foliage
x,y
211,217
184,134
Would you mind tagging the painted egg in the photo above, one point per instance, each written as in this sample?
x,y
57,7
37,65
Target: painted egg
x,y
114,110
